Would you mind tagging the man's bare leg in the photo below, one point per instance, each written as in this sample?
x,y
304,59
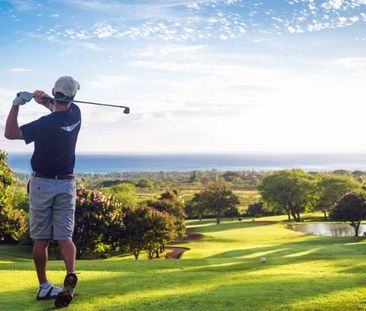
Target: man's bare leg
x,y
68,252
40,257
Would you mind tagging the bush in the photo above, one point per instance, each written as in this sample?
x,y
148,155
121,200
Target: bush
x,y
231,212
21,199
171,203
147,229
97,223
12,221
256,209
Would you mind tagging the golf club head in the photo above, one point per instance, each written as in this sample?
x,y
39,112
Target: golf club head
x,y
126,110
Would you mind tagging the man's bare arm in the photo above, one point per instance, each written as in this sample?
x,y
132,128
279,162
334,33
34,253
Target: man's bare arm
x,y
12,130
43,99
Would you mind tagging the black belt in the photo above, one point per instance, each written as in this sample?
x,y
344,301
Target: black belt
x,y
57,177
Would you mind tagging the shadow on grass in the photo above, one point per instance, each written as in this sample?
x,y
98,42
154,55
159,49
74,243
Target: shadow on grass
x,y
224,281
222,289
15,252
347,257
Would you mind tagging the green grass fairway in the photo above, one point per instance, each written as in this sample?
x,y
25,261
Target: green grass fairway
x,y
221,272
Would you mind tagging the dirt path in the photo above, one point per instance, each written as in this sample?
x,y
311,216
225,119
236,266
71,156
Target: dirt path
x,y
177,251
191,236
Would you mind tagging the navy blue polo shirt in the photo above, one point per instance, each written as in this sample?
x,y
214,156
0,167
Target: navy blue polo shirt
x,y
54,138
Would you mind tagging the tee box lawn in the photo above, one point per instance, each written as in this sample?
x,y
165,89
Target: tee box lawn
x,y
222,271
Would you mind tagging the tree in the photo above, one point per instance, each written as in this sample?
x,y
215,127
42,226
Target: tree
x,y
125,193
218,197
193,176
160,231
135,223
171,203
97,222
144,183
256,209
231,212
12,221
195,208
293,190
332,188
352,207
147,229
229,176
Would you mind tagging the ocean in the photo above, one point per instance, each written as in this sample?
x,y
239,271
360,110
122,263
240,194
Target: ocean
x,y
107,163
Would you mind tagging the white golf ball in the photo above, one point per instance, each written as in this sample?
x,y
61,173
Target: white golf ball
x,y
263,259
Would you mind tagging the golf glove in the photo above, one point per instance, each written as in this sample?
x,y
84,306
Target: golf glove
x,y
22,98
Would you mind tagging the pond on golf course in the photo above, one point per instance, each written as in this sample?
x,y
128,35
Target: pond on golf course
x,y
328,229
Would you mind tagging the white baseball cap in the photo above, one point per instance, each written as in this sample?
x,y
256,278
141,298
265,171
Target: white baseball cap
x,y
67,86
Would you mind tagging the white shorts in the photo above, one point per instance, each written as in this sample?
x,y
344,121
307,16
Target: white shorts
x,y
51,208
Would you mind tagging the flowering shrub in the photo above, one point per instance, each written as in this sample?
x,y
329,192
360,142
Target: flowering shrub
x,y
12,221
97,223
102,225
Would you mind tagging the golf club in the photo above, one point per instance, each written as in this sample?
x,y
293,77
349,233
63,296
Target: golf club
x,y
29,96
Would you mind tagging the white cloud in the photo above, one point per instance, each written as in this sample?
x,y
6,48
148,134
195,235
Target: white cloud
x,y
6,94
24,5
108,81
90,46
333,4
77,34
352,63
291,29
219,103
156,52
19,69
104,30
206,20
193,5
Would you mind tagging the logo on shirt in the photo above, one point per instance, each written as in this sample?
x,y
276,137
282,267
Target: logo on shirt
x,y
70,128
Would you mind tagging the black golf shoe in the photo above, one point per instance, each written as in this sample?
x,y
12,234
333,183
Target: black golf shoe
x,y
64,298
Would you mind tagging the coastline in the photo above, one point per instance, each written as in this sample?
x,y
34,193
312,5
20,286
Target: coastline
x,y
119,163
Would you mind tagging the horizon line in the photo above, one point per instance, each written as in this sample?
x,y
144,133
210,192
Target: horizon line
x,y
198,153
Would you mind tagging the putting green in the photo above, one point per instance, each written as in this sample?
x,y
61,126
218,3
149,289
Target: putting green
x,y
223,271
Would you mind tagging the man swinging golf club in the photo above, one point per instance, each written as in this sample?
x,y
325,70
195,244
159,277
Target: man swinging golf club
x,y
52,189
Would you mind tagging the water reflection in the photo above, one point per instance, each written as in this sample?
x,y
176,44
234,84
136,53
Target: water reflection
x,y
328,229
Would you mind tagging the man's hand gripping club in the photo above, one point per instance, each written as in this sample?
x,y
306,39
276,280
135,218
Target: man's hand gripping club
x,y
22,98
40,97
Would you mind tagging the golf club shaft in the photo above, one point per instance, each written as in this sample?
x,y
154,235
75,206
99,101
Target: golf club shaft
x,y
98,104
126,109
29,96
91,103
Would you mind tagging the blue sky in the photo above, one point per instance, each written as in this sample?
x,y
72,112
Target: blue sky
x,y
199,76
